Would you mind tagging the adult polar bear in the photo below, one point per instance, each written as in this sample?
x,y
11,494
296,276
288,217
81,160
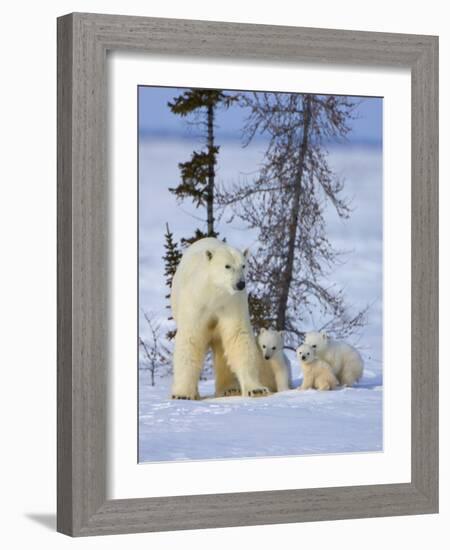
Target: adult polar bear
x,y
209,305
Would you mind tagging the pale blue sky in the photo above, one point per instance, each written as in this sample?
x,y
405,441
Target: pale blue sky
x,y
156,119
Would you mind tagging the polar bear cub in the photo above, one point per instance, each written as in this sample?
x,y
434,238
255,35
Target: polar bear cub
x,y
317,374
271,344
345,360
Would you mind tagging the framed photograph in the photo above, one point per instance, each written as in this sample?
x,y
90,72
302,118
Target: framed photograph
x,y
247,274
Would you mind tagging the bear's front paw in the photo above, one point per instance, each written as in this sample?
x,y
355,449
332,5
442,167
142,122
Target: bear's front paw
x,y
258,392
187,397
229,392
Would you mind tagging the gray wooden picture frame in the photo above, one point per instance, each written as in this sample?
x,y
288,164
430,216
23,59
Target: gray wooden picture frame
x,y
83,41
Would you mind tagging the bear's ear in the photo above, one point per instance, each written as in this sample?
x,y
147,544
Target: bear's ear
x,y
281,333
262,331
246,253
324,335
209,254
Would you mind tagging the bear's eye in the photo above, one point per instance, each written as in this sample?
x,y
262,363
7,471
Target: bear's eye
x,y
314,346
228,266
274,348
243,267
264,346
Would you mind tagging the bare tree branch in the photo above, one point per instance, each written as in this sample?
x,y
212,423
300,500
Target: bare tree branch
x,y
285,202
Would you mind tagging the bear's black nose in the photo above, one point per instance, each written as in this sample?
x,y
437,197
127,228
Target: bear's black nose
x,y
240,285
303,357
266,357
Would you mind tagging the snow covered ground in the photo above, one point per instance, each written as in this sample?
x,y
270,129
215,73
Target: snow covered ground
x,y
287,423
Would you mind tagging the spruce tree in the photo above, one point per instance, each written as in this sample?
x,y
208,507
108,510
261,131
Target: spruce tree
x,y
198,173
171,259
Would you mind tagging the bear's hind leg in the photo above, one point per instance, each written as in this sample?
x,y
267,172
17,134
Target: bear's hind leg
x,y
188,357
326,380
351,373
226,382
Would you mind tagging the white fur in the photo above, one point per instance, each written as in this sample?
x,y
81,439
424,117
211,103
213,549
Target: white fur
x,y
271,344
317,374
345,360
211,312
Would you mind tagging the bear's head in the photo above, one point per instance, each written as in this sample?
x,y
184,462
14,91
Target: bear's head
x,y
227,268
305,353
317,340
270,341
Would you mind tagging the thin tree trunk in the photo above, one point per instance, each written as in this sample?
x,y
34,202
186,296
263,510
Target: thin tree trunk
x,y
211,174
286,277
